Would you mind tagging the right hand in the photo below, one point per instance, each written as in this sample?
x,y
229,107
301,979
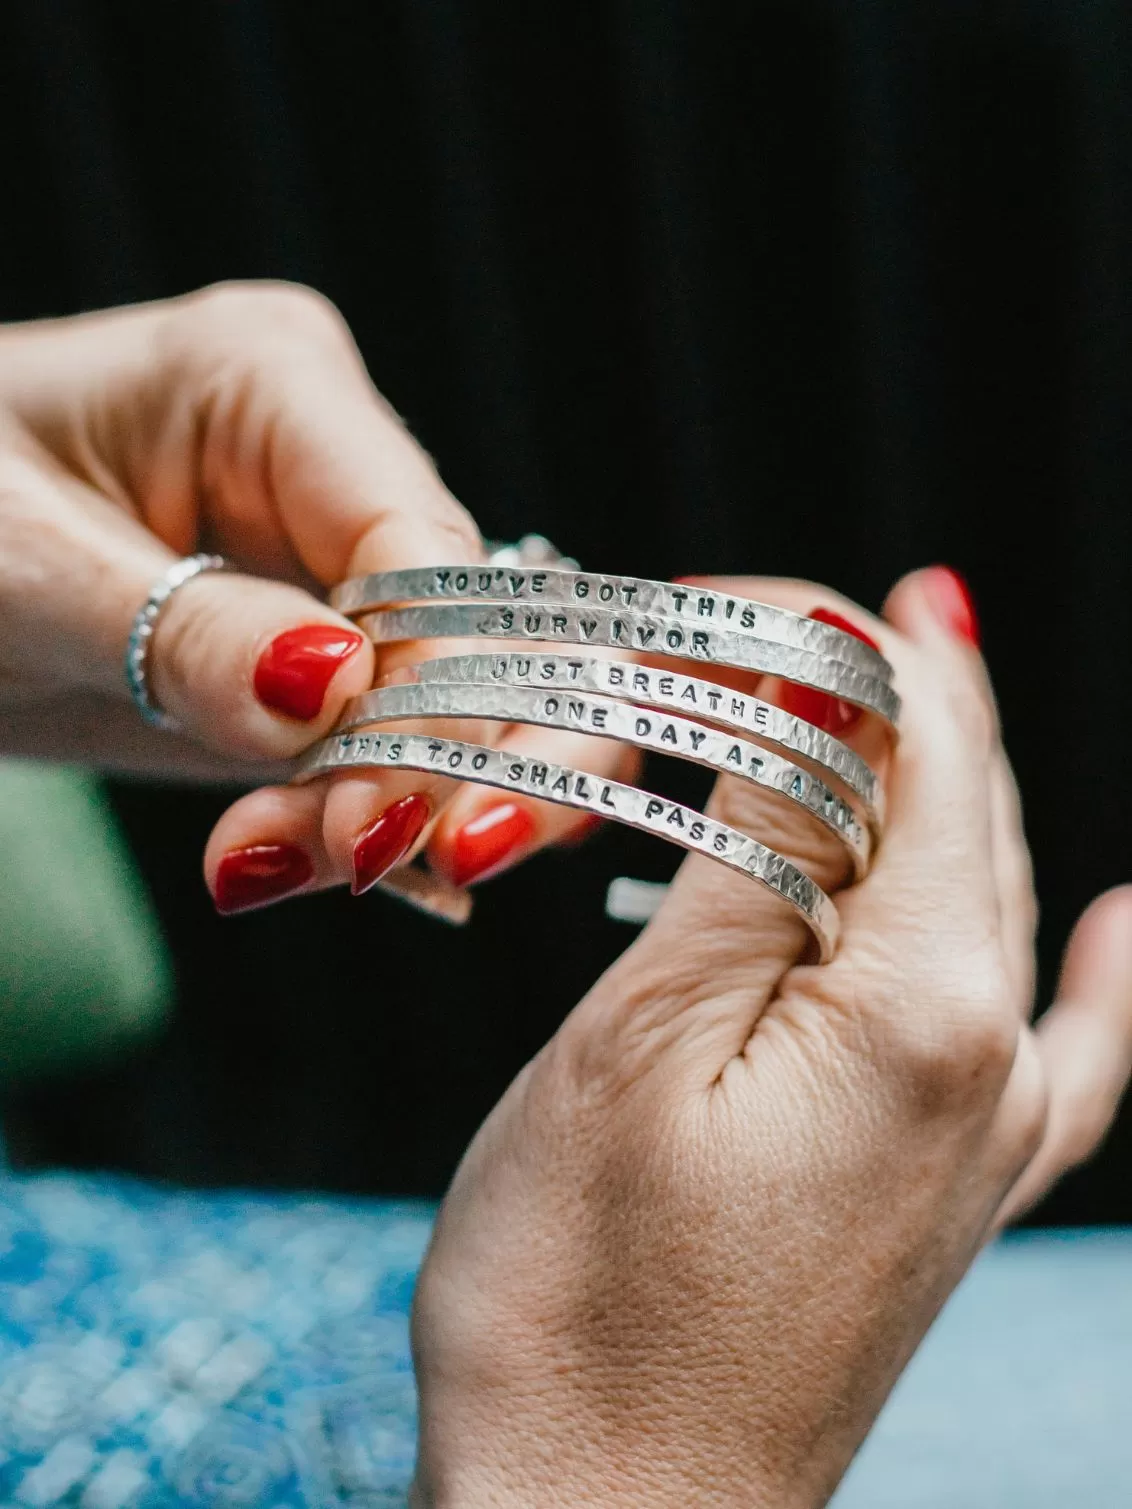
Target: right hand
x,y
687,1255
239,420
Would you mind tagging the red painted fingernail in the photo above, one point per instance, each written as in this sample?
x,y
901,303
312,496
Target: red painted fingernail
x,y
292,674
252,877
819,708
489,842
388,839
839,621
952,602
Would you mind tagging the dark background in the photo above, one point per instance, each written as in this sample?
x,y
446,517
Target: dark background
x,y
832,290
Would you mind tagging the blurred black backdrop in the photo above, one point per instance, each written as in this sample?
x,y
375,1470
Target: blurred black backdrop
x,y
827,289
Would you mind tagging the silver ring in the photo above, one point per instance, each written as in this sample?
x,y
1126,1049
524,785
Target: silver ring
x,y
681,825
142,630
543,584
670,691
663,733
635,632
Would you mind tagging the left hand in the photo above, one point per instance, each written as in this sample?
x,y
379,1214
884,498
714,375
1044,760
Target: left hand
x,y
690,1251
239,419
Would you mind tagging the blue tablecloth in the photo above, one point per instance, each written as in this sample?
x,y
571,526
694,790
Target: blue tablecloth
x,y
161,1348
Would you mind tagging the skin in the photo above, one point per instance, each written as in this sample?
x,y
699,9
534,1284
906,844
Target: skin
x,y
691,1250
239,419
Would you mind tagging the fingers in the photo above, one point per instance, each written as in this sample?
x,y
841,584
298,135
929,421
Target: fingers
x,y
871,739
1009,856
296,434
252,669
243,414
346,842
482,833
267,846
373,823
300,438
255,668
270,845
257,428
1085,1045
226,661
297,441
938,842
923,924
920,995
74,568
1017,909
318,448
705,968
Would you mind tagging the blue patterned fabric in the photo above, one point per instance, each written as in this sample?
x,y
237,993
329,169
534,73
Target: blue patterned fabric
x,y
161,1348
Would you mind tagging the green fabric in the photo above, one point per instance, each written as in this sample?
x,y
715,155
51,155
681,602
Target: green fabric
x,y
83,969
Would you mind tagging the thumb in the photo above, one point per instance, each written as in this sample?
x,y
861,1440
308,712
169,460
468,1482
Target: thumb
x,y
1084,1042
249,667
253,667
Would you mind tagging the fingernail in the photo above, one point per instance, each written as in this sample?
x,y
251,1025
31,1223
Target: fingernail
x,y
387,840
952,602
819,708
252,877
292,674
839,621
489,842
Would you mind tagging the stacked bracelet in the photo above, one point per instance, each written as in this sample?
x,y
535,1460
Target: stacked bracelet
x,y
549,588
574,788
565,678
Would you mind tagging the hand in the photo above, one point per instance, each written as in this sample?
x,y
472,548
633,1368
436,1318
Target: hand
x,y
240,420
688,1254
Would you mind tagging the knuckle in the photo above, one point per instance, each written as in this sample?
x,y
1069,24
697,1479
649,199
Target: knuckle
x,y
957,1056
267,307
975,1052
774,820
197,673
181,640
458,527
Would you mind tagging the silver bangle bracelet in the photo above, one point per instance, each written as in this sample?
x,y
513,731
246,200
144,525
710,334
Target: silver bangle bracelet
x,y
663,733
681,825
670,691
582,639
635,633
550,588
